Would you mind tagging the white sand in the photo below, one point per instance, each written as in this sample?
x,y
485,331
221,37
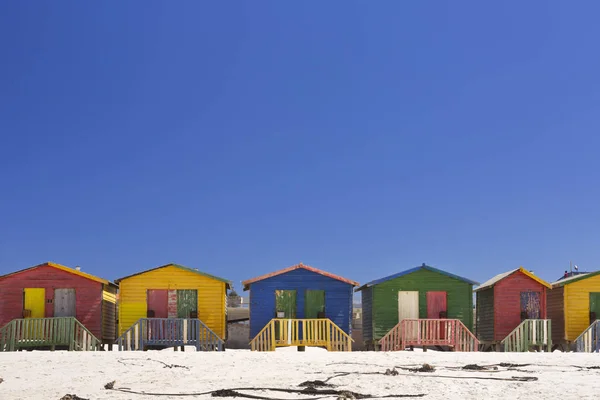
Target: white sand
x,y
48,376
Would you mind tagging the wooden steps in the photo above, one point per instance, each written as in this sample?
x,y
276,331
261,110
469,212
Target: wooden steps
x,y
589,340
450,333
287,332
530,333
47,333
169,332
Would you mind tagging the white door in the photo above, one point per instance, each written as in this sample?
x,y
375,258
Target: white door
x,y
408,307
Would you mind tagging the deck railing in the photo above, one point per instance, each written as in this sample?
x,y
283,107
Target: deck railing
x,y
47,332
530,332
429,332
318,332
170,332
589,340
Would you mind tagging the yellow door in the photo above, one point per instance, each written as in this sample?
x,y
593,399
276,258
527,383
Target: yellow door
x,y
35,302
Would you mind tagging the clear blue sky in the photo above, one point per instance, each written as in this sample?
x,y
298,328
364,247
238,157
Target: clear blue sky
x,y
363,138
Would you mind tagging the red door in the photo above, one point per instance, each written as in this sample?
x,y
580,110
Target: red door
x,y
158,301
436,309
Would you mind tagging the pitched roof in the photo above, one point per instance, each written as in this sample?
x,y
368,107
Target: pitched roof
x,y
574,278
62,268
195,271
410,271
248,282
491,282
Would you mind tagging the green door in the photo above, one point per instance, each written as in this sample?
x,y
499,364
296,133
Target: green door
x,y
594,306
314,303
187,301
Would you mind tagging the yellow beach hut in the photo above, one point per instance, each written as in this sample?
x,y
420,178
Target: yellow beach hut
x,y
574,308
170,306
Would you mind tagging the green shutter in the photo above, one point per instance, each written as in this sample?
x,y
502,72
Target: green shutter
x,y
187,301
314,303
285,301
595,303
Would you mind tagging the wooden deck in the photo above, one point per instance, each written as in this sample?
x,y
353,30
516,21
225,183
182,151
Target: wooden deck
x,y
589,340
531,333
47,333
287,332
149,333
451,333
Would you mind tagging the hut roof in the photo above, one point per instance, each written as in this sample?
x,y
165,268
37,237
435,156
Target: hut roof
x,y
574,278
195,271
410,271
248,282
491,282
62,268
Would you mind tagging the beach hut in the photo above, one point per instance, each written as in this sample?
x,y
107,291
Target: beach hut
x,y
511,311
53,306
574,308
300,306
170,306
436,307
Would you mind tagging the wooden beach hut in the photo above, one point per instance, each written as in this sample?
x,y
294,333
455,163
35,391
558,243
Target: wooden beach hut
x,y
511,312
300,306
574,308
53,306
170,306
422,306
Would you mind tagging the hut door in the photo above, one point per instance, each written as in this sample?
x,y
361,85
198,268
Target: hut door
x,y
408,308
187,303
158,301
64,302
436,305
285,307
314,304
34,302
285,303
436,309
594,306
530,305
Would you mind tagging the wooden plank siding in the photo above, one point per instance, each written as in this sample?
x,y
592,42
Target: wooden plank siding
x,y
385,298
556,312
88,294
367,314
338,297
577,305
507,302
109,313
485,315
211,295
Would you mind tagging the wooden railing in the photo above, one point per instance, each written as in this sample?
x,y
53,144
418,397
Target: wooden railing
x,y
47,332
589,340
170,332
530,332
284,332
429,332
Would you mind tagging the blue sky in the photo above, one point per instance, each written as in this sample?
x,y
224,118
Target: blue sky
x,y
363,138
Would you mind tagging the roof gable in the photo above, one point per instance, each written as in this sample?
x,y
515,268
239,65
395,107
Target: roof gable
x,y
410,271
248,282
574,278
62,268
182,267
491,282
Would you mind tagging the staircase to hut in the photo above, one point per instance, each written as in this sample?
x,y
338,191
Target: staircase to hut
x,y
160,333
531,333
408,333
47,334
589,340
287,332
